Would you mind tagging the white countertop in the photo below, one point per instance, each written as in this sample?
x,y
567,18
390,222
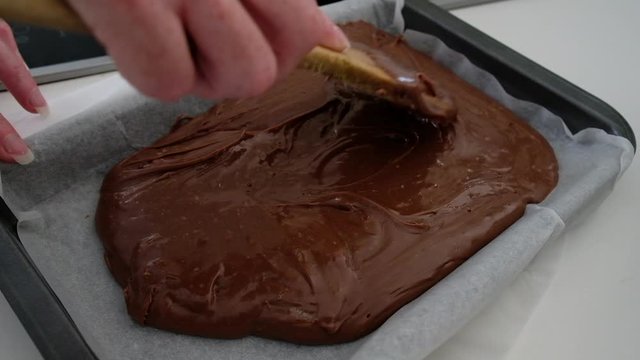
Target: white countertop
x,y
591,309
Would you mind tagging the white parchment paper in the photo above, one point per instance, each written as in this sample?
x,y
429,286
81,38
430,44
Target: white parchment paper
x,y
57,195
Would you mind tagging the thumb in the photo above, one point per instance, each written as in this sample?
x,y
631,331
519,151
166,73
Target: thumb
x,y
333,37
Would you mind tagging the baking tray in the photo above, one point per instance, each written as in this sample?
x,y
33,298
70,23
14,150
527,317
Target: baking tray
x,y
52,329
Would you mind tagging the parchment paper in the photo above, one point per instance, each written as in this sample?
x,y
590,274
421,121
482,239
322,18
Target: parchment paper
x,y
56,196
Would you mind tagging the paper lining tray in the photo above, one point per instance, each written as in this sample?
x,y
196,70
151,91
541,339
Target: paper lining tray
x,y
51,327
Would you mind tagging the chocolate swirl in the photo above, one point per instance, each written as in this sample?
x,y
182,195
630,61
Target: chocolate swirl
x,y
310,214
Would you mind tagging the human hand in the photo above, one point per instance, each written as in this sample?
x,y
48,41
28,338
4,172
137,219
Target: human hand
x,y
209,48
18,80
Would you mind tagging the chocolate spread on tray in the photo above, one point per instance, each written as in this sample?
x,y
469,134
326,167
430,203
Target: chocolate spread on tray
x,y
311,214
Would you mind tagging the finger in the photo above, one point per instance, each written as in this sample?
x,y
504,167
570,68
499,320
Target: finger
x,y
12,147
294,32
16,76
147,41
235,58
332,36
6,35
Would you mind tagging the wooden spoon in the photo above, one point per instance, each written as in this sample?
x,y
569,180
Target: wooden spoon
x,y
354,68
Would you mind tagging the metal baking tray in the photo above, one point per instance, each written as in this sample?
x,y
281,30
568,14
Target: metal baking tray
x,y
52,329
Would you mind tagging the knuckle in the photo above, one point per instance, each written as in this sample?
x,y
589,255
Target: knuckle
x,y
222,9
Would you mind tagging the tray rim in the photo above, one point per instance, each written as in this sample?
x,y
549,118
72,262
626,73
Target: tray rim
x,y
54,332
520,76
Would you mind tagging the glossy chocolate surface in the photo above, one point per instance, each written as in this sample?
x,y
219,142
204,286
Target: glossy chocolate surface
x,y
309,214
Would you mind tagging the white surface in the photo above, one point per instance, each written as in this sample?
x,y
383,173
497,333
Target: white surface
x,y
70,98
592,307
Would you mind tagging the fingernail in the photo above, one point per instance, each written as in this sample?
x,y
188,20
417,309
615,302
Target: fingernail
x,y
16,148
43,110
38,102
25,159
342,42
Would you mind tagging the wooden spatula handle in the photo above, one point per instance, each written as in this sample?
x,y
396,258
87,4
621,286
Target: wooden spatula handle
x,y
47,13
58,15
351,66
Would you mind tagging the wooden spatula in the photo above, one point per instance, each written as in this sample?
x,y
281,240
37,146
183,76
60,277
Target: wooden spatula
x,y
353,67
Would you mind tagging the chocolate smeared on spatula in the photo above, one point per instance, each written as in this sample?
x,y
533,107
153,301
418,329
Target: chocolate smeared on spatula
x,y
366,70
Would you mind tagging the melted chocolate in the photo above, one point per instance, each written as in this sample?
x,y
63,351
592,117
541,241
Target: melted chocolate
x,y
311,215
